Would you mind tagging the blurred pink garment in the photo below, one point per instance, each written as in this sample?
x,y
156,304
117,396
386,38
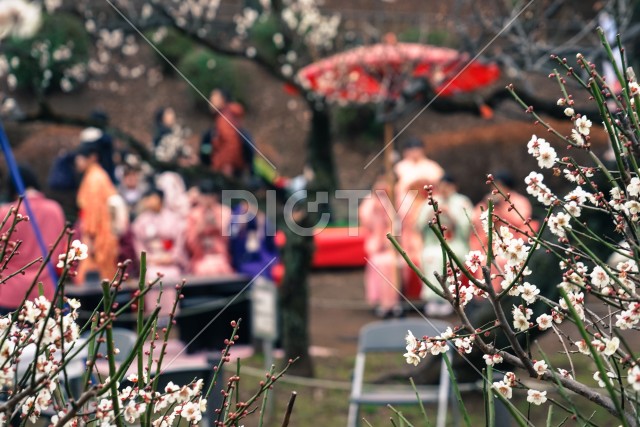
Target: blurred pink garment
x,y
411,242
161,236
207,240
408,172
380,276
51,220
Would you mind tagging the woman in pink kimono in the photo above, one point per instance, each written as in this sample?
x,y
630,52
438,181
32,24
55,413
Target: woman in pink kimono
x,y
381,278
159,232
207,239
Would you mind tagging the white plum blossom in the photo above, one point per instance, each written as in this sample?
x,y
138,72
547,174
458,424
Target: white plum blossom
x,y
633,377
493,359
412,358
577,137
580,196
133,411
464,345
516,251
617,198
577,303
632,208
412,342
503,388
564,373
582,347
547,157
583,125
627,319
611,346
633,188
437,347
543,151
599,277
190,411
569,112
474,260
464,294
540,367
418,349
559,223
528,292
533,146
521,316
598,378
78,251
544,321
538,189
573,209
536,397
59,334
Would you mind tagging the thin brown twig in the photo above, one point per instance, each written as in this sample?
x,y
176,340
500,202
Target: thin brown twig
x,y
287,414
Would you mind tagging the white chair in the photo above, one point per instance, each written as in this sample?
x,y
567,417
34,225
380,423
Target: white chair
x,y
389,336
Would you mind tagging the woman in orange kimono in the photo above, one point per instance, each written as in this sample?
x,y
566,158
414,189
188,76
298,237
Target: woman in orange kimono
x,y
95,217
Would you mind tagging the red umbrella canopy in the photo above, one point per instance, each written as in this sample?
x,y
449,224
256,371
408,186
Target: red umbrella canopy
x,y
378,72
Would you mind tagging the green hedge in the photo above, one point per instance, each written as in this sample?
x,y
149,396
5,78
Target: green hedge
x,y
261,37
173,45
207,71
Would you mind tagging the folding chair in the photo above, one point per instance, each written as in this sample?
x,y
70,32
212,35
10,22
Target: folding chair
x,y
389,336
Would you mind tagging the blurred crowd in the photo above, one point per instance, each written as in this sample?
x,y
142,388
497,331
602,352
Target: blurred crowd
x,y
125,207
416,182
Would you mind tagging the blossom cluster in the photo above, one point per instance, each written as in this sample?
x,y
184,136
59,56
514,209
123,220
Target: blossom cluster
x,y
44,341
594,189
418,349
506,385
173,403
34,344
627,202
543,152
78,251
300,17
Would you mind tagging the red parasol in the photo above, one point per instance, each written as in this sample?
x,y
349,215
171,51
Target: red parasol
x,y
376,73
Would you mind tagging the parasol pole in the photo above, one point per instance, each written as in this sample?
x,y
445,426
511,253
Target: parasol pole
x,y
388,159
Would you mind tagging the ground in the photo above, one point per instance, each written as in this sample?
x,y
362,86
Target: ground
x,y
337,314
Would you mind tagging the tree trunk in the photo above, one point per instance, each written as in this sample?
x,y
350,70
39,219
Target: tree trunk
x,y
298,250
320,148
294,298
